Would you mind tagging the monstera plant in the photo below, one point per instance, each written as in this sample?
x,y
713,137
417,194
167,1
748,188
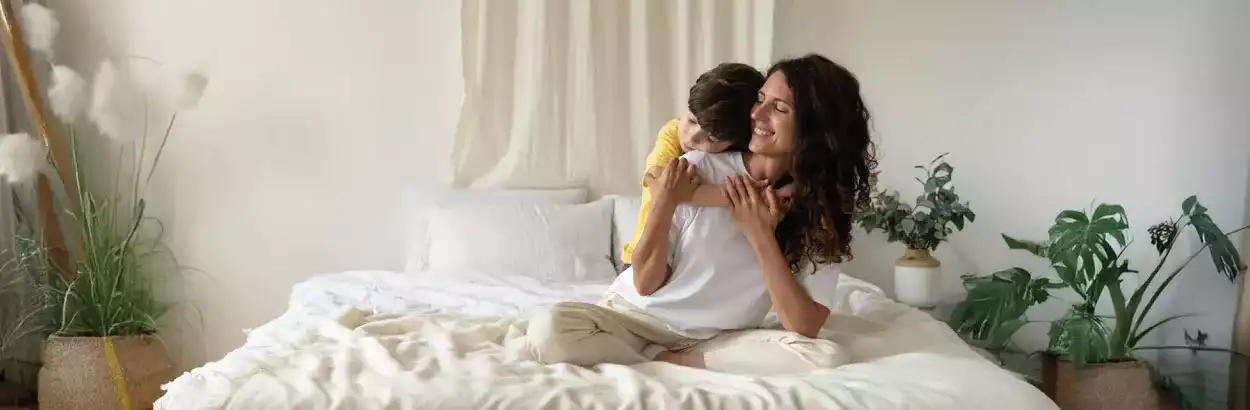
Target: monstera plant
x,y
1087,252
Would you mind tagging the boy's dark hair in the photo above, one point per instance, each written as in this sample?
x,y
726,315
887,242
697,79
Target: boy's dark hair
x,y
721,101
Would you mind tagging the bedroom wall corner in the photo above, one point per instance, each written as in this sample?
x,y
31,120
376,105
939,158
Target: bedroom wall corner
x,y
318,114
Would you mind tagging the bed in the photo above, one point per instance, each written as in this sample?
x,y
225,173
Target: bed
x,y
447,331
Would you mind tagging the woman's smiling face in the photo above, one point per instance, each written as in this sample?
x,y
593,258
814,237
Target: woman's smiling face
x,y
773,118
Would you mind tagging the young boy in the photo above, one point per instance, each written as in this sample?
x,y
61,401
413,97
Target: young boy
x,y
718,118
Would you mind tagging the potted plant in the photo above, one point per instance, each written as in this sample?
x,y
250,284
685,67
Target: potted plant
x,y
1092,358
936,214
100,314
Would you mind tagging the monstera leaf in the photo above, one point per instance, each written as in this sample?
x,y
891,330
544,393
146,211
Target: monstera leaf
x,y
1082,336
1080,245
995,306
1223,252
1037,248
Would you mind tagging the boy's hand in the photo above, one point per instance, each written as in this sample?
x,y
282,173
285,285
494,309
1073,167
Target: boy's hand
x,y
676,183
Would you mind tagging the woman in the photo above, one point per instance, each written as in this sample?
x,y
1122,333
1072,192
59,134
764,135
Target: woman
x,y
704,278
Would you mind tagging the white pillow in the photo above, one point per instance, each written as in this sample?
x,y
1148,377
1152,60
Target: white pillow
x,y
419,202
552,243
624,221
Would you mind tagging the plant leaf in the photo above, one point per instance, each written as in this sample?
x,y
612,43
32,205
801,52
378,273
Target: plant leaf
x,y
1080,243
1034,247
931,185
1187,206
1223,253
996,304
1138,337
907,225
1081,335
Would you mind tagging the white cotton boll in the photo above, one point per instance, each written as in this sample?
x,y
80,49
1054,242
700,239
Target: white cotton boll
x,y
39,27
193,85
112,104
22,157
66,95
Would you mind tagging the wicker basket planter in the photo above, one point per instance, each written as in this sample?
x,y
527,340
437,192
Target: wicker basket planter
x,y
123,373
1119,385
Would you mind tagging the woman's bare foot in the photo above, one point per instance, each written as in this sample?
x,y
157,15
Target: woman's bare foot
x,y
682,358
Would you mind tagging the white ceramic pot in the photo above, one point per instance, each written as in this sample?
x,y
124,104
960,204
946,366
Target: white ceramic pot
x,y
916,277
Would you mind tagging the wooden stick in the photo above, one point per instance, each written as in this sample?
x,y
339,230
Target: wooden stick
x,y
19,57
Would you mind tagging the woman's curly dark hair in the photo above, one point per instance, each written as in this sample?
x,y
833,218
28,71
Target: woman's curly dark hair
x,y
833,161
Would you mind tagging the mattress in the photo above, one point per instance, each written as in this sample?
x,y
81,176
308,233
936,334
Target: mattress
x,y
382,340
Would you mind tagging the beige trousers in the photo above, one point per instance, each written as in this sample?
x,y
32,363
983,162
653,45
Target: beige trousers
x,y
587,334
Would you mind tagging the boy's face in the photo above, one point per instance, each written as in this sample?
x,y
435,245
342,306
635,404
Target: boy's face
x,y
694,138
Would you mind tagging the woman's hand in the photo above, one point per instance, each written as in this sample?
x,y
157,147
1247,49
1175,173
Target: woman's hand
x,y
756,210
675,184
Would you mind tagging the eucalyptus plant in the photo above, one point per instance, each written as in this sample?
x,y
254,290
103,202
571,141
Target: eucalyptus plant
x,y
930,220
1087,251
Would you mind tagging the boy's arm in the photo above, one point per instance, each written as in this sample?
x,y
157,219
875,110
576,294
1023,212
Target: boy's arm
x,y
667,148
704,195
709,195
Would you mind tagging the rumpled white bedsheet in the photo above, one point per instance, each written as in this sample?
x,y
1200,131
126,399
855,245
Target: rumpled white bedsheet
x,y
379,340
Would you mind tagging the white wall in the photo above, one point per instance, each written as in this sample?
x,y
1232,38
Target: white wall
x,y
1047,106
317,114
319,111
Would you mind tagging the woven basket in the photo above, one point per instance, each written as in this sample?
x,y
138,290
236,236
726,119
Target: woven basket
x,y
124,373
1111,386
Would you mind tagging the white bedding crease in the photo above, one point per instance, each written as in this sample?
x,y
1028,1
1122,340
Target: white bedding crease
x,y
380,340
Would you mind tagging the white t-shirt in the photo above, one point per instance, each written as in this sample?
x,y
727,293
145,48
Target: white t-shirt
x,y
717,283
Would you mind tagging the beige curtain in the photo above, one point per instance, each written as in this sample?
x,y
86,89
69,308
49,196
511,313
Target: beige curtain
x,y
565,93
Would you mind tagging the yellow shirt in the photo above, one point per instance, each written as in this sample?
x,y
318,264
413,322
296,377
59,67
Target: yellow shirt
x,y
667,148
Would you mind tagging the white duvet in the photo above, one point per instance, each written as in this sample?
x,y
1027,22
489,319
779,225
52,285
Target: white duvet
x,y
379,340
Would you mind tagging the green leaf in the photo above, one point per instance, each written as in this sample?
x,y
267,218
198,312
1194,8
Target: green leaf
x,y
907,225
931,185
1142,334
1034,247
1067,273
1080,243
869,222
1187,206
1106,277
944,170
1082,336
996,302
1223,253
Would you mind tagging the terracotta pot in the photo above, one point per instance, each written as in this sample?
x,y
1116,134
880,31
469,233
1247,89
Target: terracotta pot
x,y
1119,385
916,275
123,373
